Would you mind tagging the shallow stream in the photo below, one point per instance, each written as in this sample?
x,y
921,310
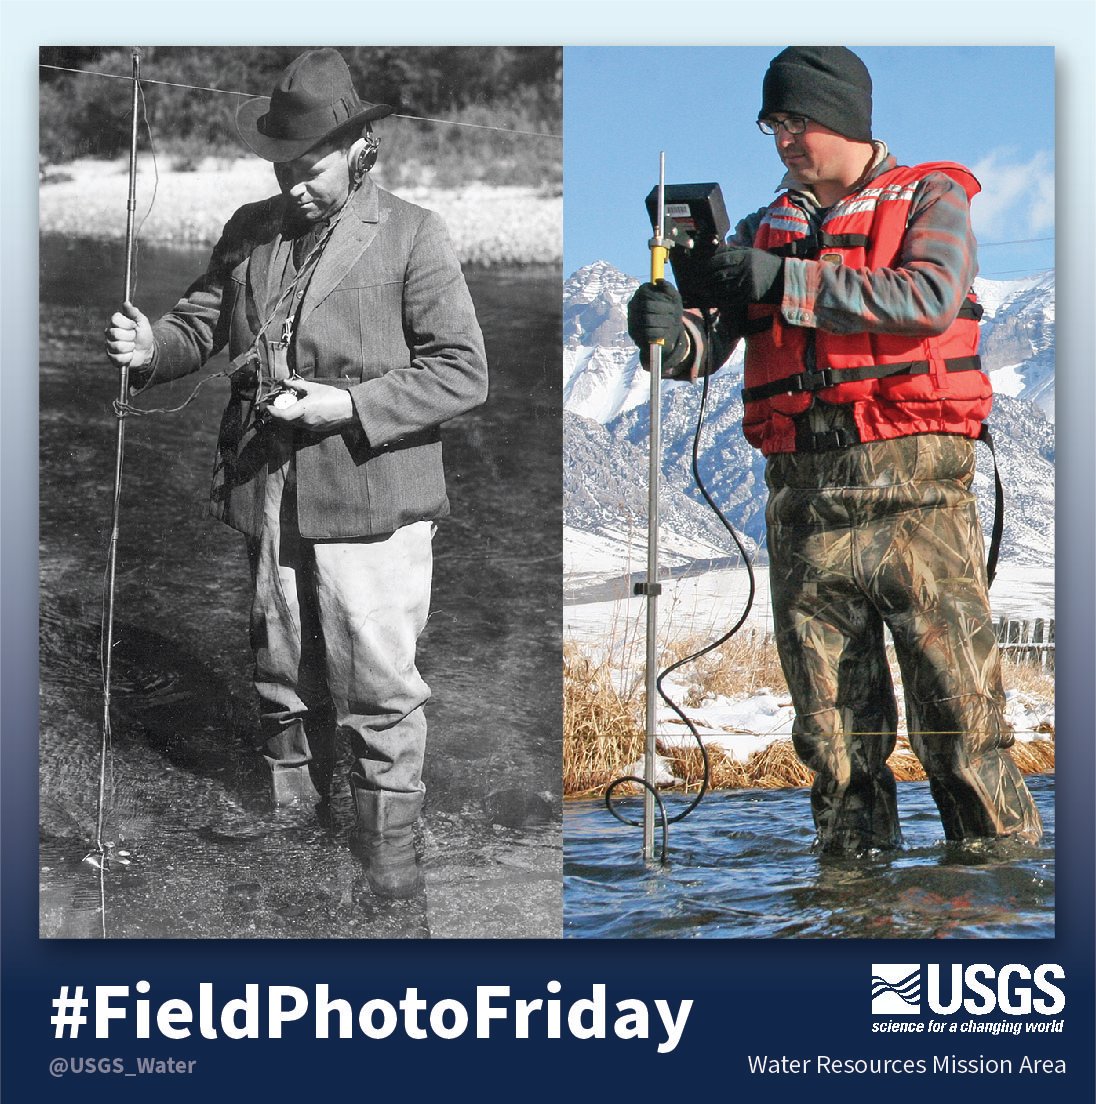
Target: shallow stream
x,y
740,867
187,794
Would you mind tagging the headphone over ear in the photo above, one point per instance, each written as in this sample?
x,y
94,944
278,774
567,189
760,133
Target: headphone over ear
x,y
366,158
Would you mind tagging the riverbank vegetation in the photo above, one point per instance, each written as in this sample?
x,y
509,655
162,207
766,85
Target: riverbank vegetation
x,y
500,90
497,184
603,721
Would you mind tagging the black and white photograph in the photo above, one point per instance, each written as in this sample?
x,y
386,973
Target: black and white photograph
x,y
299,492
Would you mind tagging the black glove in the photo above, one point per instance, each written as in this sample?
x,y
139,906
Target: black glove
x,y
736,275
654,313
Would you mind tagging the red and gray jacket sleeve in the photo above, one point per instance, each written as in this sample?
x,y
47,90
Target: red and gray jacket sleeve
x,y
921,294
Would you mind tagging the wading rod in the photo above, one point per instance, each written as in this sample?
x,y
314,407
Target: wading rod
x,y
119,454
659,253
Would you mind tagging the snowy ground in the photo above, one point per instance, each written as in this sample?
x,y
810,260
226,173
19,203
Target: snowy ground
x,y
600,612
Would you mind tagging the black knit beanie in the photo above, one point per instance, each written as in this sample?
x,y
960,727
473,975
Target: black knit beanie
x,y
828,84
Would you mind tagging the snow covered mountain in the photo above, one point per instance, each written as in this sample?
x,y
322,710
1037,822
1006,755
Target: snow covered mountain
x,y
606,423
1017,344
601,372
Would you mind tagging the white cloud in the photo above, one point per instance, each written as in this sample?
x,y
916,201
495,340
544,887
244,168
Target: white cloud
x,y
1017,197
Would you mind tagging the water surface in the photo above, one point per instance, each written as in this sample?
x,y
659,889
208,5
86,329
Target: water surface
x,y
187,794
740,867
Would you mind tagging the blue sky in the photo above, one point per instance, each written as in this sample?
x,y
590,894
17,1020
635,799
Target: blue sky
x,y
990,108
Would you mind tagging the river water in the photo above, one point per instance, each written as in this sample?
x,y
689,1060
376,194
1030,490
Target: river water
x,y
186,794
740,867
184,778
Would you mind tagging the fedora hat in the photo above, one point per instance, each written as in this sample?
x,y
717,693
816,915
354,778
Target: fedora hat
x,y
314,100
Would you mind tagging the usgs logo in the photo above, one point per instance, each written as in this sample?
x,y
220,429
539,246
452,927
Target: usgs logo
x,y
898,988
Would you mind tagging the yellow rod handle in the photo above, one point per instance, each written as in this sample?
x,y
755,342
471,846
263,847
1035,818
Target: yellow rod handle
x,y
659,254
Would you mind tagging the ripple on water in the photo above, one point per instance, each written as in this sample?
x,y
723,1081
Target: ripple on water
x,y
741,867
187,795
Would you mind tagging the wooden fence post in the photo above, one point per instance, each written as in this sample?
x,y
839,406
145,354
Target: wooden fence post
x,y
1026,642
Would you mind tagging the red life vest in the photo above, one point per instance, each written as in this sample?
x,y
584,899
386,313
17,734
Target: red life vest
x,y
896,384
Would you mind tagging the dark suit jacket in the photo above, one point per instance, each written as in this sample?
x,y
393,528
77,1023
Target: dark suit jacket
x,y
386,315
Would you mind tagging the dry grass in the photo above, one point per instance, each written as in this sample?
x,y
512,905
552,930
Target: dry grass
x,y
1028,678
743,665
604,723
603,727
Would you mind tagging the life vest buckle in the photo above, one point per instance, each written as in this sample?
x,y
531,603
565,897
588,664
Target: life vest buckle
x,y
814,380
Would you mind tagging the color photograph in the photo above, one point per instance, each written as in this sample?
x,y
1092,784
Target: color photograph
x,y
853,734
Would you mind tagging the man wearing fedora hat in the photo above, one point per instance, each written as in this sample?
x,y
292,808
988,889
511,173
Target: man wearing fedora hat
x,y
863,389
352,337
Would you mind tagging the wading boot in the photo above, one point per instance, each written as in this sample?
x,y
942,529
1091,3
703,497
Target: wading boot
x,y
291,787
384,840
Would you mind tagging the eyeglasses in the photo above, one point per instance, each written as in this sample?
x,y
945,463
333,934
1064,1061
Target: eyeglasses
x,y
792,124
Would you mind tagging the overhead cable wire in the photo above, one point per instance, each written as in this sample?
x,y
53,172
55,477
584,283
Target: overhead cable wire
x,y
252,95
1015,241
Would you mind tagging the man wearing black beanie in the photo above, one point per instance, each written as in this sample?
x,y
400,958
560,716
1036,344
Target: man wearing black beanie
x,y
830,83
863,388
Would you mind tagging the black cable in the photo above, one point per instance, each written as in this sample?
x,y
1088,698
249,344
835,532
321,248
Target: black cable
x,y
634,823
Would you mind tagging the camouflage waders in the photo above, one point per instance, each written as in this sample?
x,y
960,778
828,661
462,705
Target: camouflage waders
x,y
886,533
